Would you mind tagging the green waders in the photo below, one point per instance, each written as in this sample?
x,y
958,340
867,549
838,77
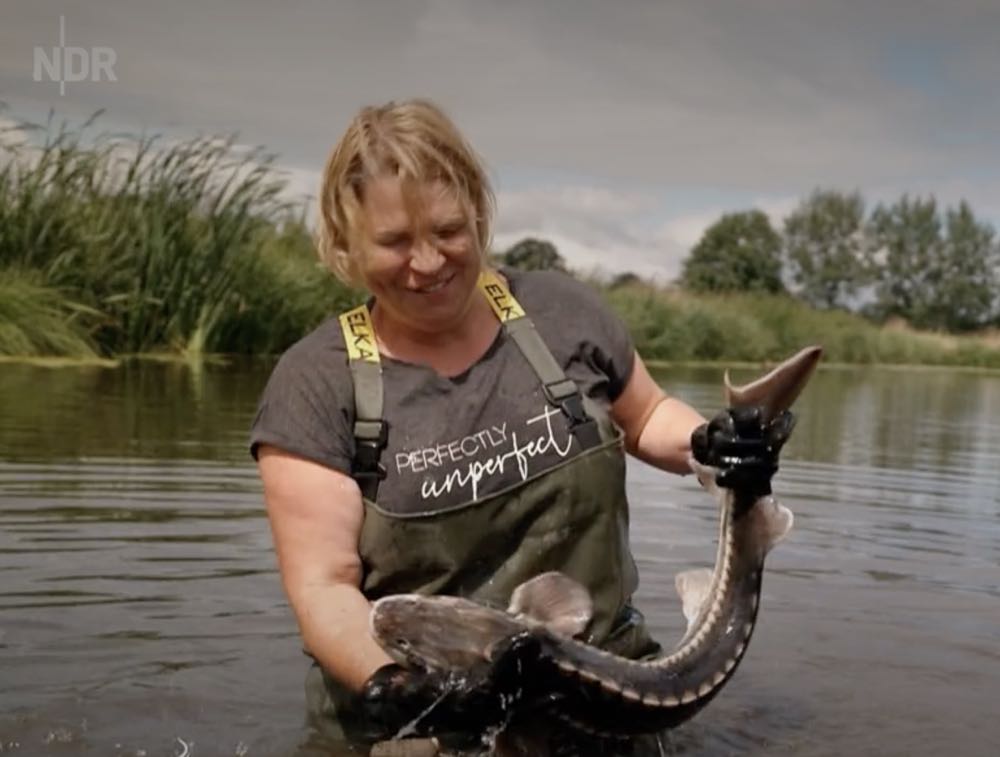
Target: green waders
x,y
572,518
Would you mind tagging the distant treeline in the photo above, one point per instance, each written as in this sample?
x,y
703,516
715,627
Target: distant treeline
x,y
113,245
673,323
937,268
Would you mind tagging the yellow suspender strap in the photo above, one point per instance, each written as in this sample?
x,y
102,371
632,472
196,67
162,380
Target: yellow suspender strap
x,y
359,335
370,431
559,390
500,299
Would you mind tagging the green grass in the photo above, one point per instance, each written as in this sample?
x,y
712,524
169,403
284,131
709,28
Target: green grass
x,y
680,327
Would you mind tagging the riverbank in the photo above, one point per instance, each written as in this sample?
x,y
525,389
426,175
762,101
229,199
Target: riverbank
x,y
118,246
219,359
269,312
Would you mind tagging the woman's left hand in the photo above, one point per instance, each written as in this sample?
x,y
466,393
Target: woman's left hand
x,y
743,446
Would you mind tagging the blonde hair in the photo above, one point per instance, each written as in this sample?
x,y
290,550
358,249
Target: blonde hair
x,y
413,140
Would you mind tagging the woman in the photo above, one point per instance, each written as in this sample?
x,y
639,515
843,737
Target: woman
x,y
460,433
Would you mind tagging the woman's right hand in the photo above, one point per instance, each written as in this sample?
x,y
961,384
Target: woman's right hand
x,y
458,703
316,515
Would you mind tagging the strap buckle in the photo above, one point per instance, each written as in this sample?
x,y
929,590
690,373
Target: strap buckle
x,y
370,438
374,432
566,396
558,392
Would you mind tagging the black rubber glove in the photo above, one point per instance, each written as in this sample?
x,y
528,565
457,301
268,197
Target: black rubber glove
x,y
433,703
743,447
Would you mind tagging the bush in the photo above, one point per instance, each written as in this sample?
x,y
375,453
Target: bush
x,y
677,326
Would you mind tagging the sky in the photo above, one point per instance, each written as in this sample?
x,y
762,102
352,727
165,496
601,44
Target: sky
x,y
617,130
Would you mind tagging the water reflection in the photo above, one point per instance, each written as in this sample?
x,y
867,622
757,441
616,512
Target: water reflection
x,y
139,601
138,411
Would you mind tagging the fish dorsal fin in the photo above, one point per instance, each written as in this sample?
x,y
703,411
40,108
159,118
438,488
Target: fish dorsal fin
x,y
556,601
776,391
693,587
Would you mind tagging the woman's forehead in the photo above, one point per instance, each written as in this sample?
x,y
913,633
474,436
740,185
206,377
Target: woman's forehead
x,y
390,200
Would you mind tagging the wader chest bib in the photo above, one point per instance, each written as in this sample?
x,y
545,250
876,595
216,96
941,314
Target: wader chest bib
x,y
572,517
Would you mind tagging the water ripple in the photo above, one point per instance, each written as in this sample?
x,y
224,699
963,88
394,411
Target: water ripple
x,y
140,602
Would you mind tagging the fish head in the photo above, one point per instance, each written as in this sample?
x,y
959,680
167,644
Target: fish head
x,y
439,633
446,633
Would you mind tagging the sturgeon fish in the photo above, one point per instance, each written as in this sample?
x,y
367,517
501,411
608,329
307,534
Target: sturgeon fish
x,y
595,691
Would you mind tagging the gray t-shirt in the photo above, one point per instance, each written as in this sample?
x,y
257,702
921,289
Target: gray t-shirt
x,y
459,439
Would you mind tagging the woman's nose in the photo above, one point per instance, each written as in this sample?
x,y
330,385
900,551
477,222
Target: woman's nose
x,y
426,258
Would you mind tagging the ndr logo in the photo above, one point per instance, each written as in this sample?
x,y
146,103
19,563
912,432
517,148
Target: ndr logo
x,y
74,63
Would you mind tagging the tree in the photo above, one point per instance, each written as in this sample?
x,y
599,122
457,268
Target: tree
x,y
532,254
937,280
906,253
739,252
966,297
624,279
824,241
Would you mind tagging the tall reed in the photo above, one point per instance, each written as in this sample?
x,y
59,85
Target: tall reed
x,y
36,319
174,243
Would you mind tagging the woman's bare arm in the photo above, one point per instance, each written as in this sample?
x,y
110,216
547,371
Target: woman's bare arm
x,y
316,515
657,427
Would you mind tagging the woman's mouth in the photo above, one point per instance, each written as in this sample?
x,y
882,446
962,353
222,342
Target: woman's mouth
x,y
435,286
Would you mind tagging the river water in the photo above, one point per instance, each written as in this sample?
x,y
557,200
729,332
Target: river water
x,y
141,613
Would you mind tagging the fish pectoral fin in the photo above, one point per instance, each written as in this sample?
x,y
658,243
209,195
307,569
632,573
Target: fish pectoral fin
x,y
556,601
771,522
693,587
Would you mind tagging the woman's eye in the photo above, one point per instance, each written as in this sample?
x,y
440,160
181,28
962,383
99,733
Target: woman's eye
x,y
396,241
447,232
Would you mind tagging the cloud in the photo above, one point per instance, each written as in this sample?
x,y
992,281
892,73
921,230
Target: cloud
x,y
629,127
597,213
592,227
12,132
302,185
686,230
649,258
763,96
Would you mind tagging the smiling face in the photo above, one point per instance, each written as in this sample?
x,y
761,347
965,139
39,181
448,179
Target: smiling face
x,y
421,258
